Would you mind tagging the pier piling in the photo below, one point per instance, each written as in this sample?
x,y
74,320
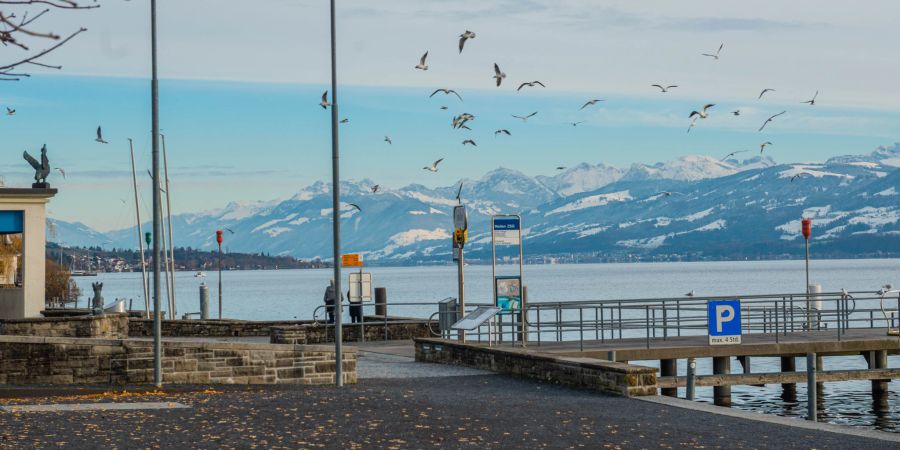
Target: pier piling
x,y
789,390
722,394
878,360
669,368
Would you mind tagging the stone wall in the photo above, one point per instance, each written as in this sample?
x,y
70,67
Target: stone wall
x,y
208,328
38,360
594,374
113,326
398,329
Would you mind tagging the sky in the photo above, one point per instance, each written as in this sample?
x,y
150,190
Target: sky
x,y
241,84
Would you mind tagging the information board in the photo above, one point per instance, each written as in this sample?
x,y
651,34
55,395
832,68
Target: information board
x,y
507,231
476,318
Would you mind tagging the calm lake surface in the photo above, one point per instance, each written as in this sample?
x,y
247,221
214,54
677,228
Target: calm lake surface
x,y
290,294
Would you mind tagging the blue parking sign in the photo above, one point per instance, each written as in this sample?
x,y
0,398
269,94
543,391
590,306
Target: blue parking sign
x,y
724,319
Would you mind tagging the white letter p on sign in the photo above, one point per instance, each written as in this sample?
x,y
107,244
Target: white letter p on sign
x,y
724,313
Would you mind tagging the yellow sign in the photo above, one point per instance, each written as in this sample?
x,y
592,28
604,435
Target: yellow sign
x,y
351,260
460,236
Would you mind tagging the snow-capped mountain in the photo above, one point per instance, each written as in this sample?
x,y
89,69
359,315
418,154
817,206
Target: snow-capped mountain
x,y
695,207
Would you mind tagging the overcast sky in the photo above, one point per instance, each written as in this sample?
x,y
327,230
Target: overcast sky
x,y
261,136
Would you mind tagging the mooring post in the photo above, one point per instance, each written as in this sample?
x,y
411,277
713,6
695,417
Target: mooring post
x,y
722,394
669,368
878,360
820,386
789,390
811,387
691,375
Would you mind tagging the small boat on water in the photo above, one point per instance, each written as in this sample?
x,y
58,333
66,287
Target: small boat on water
x,y
83,273
200,274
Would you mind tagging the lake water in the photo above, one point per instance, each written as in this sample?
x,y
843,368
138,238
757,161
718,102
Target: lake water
x,y
295,294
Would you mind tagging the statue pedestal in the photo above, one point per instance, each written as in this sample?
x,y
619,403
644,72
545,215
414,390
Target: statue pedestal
x,y
43,185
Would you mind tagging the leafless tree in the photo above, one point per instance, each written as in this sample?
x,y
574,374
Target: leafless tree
x,y
19,30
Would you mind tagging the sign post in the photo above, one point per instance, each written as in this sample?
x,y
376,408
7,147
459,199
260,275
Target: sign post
x,y
219,239
506,230
807,231
460,234
724,322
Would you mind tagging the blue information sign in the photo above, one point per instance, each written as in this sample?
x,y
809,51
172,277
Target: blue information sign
x,y
724,318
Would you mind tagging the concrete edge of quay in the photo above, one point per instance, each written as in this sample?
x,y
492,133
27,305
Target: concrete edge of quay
x,y
771,418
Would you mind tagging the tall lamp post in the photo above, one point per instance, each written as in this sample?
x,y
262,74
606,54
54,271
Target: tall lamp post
x,y
336,210
807,231
219,239
157,218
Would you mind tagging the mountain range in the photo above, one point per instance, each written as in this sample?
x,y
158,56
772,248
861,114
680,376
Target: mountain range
x,y
694,207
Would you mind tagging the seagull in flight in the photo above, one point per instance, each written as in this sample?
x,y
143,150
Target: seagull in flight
x,y
560,167
763,146
530,84
704,113
345,120
421,65
525,118
591,103
354,205
764,92
324,103
228,230
100,136
669,193
460,120
770,119
736,112
388,140
10,111
446,92
503,131
434,166
61,171
798,175
732,154
444,108
464,37
469,142
498,74
716,55
575,124
376,188
664,89
812,102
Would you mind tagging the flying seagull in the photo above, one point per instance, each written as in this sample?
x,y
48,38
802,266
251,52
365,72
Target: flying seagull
x,y
443,107
525,118
354,205
61,171
421,65
530,84
460,120
560,167
446,92
502,130
813,101
591,103
770,119
100,136
575,124
692,124
664,89
764,91
716,55
498,74
463,126
763,146
736,112
345,120
10,111
704,113
434,166
464,37
376,188
798,175
668,193
469,142
324,103
388,140
459,192
732,154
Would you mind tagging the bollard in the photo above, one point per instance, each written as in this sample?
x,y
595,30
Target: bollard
x,y
204,301
722,394
381,301
669,368
691,378
811,387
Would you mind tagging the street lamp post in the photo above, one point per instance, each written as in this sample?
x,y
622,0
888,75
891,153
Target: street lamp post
x,y
154,101
336,210
807,231
219,239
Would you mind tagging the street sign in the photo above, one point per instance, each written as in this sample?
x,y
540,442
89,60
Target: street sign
x,y
724,319
352,260
507,230
360,287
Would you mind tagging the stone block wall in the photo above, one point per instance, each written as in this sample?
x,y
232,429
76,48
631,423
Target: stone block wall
x,y
208,328
28,360
112,326
375,330
587,373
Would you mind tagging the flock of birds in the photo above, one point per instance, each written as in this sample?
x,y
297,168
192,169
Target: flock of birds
x,y
462,121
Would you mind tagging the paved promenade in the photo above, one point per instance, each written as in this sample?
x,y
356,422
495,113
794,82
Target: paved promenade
x,y
397,404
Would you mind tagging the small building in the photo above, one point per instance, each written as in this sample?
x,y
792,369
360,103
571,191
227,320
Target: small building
x,y
23,228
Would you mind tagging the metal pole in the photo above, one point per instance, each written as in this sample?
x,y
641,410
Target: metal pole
x,y
154,101
811,387
165,256
137,211
461,277
220,281
336,209
171,272
691,378
808,304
